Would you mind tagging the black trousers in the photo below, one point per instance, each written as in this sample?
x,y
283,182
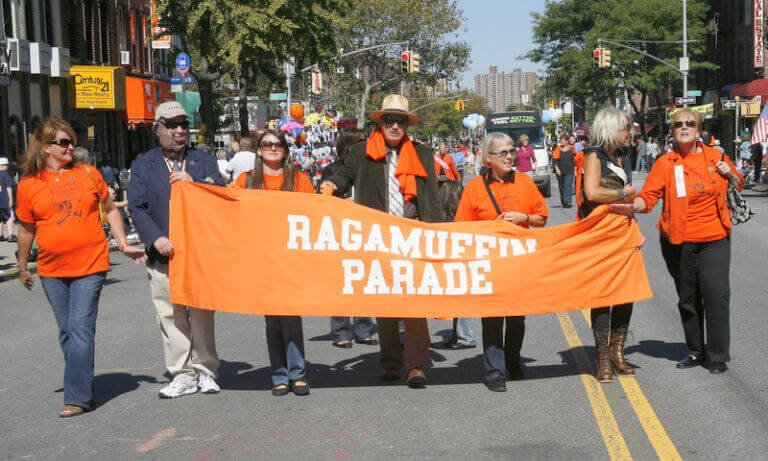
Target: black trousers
x,y
612,317
501,351
701,272
343,330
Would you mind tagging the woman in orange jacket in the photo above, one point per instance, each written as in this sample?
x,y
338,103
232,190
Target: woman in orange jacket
x,y
695,228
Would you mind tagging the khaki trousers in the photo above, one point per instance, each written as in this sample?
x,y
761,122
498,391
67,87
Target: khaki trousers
x,y
188,333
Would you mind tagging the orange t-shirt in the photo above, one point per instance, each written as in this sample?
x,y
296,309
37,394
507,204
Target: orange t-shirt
x,y
520,195
702,224
64,207
302,182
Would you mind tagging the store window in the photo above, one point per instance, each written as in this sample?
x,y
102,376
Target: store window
x,y
7,19
121,32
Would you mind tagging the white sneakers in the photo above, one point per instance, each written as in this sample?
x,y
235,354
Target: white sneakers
x,y
177,389
205,384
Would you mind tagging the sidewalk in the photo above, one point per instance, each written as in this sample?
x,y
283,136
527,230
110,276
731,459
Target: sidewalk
x,y
8,264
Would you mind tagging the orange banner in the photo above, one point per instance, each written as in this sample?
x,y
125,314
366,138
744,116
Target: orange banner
x,y
286,253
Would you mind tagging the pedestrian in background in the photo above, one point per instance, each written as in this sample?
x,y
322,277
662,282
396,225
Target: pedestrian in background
x,y
654,151
445,168
285,337
393,174
757,161
564,158
501,193
83,157
234,148
59,204
606,181
526,158
695,230
108,172
221,161
6,203
243,160
189,346
642,153
459,159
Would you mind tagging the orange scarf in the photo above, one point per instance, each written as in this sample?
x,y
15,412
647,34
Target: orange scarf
x,y
408,166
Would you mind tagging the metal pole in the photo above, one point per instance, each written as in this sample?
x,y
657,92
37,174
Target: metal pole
x,y
288,88
685,47
736,130
573,117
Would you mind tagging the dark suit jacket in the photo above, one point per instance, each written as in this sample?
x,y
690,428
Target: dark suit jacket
x,y
149,193
369,177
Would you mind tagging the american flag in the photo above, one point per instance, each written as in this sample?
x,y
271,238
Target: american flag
x,y
760,134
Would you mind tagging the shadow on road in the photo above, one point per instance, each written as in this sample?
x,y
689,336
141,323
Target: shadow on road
x,y
112,385
659,349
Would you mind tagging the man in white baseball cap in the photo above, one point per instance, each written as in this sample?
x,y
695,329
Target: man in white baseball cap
x,y
188,334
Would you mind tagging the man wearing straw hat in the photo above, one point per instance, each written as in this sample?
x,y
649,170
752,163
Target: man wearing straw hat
x,y
391,173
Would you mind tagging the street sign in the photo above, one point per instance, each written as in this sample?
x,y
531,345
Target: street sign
x,y
283,105
694,92
728,104
177,80
685,100
177,88
278,96
189,80
182,63
685,64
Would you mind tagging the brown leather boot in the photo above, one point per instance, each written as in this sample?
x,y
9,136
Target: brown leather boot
x,y
618,339
604,371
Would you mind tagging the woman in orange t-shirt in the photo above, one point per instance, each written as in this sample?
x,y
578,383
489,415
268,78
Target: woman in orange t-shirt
x,y
695,228
502,194
58,203
285,338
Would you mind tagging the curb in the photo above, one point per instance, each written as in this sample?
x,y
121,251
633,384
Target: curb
x,y
11,274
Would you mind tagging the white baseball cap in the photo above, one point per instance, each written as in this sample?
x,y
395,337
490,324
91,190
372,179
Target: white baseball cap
x,y
169,110
4,161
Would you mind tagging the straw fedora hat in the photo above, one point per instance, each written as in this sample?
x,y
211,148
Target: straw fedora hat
x,y
394,104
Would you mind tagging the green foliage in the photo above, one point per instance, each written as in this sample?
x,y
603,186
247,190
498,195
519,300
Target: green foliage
x,y
441,120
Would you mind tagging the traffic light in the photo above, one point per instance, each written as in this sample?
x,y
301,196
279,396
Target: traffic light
x,y
606,58
459,105
598,57
413,66
405,65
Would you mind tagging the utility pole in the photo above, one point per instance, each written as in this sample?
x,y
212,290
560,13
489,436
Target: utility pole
x,y
684,65
290,68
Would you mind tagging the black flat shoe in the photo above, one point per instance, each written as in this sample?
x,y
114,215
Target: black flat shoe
x,y
280,390
12,239
717,367
300,389
343,344
688,362
457,346
368,341
497,385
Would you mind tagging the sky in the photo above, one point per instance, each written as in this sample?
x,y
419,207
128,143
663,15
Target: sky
x,y
499,32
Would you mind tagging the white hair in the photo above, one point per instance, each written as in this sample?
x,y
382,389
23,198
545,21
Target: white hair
x,y
490,142
606,127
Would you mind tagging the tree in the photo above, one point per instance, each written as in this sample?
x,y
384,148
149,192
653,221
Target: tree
x,y
566,34
244,39
429,28
441,120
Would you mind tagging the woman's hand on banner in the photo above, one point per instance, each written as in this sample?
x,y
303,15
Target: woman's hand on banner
x,y
327,188
515,218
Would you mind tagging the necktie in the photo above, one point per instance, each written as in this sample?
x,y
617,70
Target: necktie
x,y
395,196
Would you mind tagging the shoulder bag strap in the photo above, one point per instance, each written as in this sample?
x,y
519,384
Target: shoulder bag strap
x,y
98,193
490,194
248,179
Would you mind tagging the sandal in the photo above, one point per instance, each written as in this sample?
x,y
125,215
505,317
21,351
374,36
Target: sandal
x,y
71,410
345,344
300,387
280,389
368,341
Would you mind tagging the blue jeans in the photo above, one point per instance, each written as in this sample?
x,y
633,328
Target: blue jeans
x,y
285,344
75,303
464,331
565,184
342,329
501,351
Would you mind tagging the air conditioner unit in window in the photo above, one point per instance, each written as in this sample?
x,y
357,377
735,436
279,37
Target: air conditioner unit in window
x,y
18,50
125,58
60,62
40,58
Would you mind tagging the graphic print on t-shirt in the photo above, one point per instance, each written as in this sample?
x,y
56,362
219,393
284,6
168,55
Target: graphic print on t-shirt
x,y
699,185
66,198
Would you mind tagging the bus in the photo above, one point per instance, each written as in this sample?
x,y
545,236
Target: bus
x,y
516,124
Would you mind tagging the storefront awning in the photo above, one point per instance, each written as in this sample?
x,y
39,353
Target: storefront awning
x,y
143,98
191,102
749,90
725,92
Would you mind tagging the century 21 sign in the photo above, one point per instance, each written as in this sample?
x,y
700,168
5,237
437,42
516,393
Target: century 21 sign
x,y
96,87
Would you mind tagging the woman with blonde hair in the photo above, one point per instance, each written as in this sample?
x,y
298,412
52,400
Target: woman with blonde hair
x,y
695,236
61,203
526,158
605,181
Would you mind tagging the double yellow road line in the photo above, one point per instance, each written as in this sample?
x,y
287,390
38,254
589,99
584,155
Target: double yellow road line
x,y
609,428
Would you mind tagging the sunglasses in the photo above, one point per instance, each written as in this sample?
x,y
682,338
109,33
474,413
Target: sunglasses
x,y
268,144
63,143
504,153
688,123
389,121
171,125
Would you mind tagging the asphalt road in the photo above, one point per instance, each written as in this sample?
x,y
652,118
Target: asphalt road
x,y
558,412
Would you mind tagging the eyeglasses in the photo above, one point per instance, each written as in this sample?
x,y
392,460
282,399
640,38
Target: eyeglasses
x,y
504,153
171,125
688,123
63,143
268,144
389,121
